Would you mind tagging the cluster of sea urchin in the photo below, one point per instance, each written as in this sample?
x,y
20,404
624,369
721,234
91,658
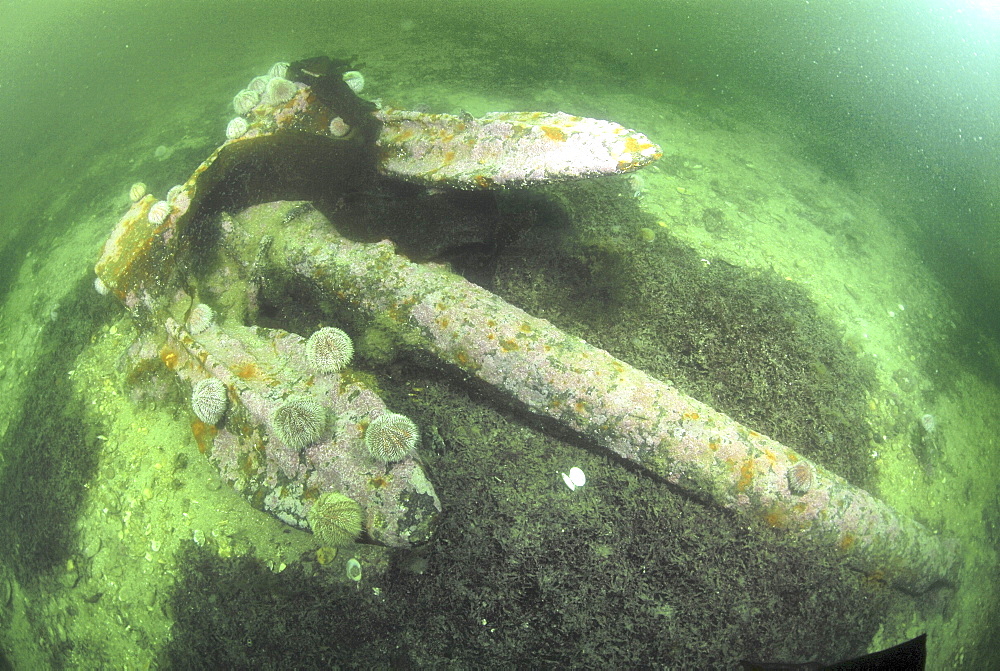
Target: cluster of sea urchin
x,y
335,519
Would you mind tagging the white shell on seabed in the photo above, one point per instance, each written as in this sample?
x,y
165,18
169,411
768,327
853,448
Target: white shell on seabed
x,y
575,478
354,569
355,80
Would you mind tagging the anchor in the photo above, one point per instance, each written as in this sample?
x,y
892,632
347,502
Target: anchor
x,y
286,207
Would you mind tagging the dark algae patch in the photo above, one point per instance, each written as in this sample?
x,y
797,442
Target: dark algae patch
x,y
50,448
745,341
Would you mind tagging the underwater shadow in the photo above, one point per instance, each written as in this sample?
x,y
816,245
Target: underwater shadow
x,y
51,452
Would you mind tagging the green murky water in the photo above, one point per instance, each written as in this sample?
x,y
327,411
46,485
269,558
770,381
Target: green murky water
x,y
815,255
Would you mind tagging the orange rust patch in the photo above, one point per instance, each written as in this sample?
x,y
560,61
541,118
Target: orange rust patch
x,y
204,434
168,357
579,406
691,415
462,358
754,434
771,456
847,542
246,371
443,322
746,475
483,181
379,482
713,446
632,145
491,323
508,344
554,133
449,156
525,327
491,336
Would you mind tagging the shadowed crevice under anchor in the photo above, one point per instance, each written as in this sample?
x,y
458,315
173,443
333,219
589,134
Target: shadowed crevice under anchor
x,y
323,144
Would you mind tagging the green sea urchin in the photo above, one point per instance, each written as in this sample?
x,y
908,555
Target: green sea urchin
x,y
390,437
298,421
329,349
200,318
335,519
209,400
